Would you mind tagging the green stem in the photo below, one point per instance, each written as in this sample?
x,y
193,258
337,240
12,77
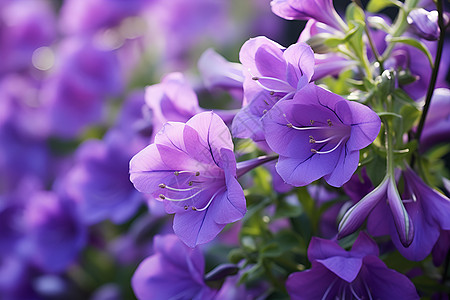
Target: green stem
x,y
435,71
399,26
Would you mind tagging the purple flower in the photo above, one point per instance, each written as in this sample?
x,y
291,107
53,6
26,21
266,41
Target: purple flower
x,y
99,180
171,100
383,201
354,274
416,221
84,77
216,71
428,210
81,17
192,168
55,231
271,73
437,125
174,271
424,23
25,26
319,134
320,10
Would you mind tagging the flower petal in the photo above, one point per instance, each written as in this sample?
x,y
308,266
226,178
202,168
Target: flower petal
x,y
345,167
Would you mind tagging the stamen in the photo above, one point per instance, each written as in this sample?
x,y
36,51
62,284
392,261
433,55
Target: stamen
x,y
287,86
324,297
354,293
328,151
162,185
312,122
326,140
190,183
179,200
368,291
311,139
209,202
271,93
186,207
265,111
329,123
305,128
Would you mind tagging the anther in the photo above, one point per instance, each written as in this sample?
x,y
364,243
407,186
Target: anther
x,y
267,103
176,173
271,93
289,125
190,183
186,207
311,139
197,173
314,151
265,111
329,123
194,208
312,122
161,196
162,185
255,78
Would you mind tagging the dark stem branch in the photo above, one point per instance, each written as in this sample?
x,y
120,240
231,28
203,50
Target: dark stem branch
x,y
434,73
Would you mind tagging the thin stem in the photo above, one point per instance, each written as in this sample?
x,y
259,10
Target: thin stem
x,y
374,49
399,26
435,71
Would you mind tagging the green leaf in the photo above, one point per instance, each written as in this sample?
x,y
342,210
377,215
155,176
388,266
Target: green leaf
x,y
287,210
354,13
376,5
415,43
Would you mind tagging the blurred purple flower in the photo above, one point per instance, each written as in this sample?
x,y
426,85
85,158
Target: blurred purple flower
x,y
383,201
89,16
174,271
319,134
271,73
55,231
192,168
436,129
99,180
24,27
441,248
424,23
356,274
320,10
75,93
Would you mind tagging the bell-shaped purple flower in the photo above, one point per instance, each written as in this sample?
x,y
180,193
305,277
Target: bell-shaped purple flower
x,y
216,71
173,99
320,10
383,201
174,271
319,134
55,231
99,180
271,73
85,76
424,23
356,274
192,168
429,211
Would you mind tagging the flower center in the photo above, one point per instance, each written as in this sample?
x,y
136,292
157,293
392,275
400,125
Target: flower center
x,y
325,137
188,189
